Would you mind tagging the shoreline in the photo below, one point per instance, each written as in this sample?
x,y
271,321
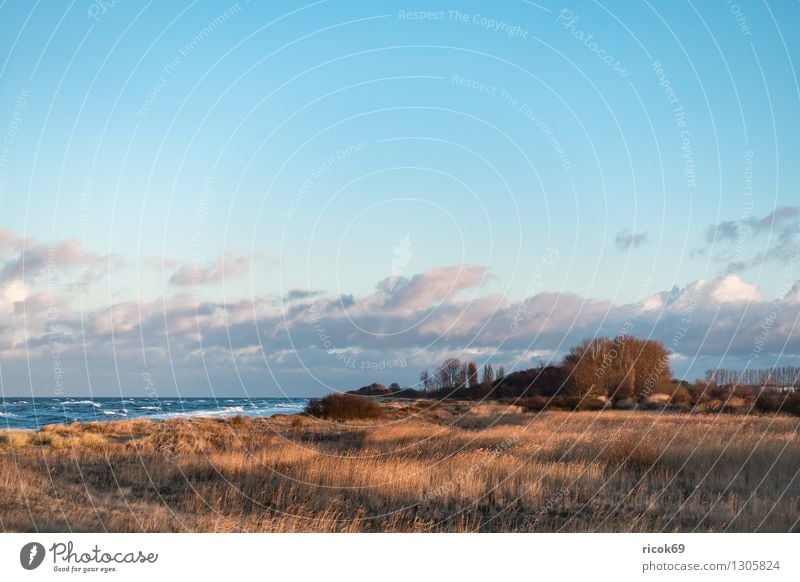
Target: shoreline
x,y
34,413
448,467
394,403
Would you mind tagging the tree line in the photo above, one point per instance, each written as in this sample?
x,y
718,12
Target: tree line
x,y
618,368
621,372
454,373
779,376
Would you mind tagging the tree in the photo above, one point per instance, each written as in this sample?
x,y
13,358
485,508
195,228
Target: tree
x,y
426,381
651,367
472,374
779,376
620,368
450,373
394,387
501,373
621,381
586,365
488,375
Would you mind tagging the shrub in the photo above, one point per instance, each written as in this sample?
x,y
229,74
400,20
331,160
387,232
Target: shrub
x,y
625,404
681,396
93,441
579,403
792,404
657,400
343,407
709,405
532,404
13,439
768,403
786,403
240,420
736,404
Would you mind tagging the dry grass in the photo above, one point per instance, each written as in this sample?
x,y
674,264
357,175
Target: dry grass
x,y
444,467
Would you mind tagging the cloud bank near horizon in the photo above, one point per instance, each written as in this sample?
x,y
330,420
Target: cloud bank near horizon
x,y
307,342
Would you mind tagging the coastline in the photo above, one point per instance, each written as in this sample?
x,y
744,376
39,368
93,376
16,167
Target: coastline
x,y
424,466
33,413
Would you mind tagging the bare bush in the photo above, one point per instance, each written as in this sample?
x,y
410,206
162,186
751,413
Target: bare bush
x,y
344,407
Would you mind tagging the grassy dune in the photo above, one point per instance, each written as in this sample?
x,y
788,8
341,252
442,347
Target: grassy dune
x,y
447,467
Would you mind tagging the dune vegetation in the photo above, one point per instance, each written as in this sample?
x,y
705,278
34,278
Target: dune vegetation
x,y
418,467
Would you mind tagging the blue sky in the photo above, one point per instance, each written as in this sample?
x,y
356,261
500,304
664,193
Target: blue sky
x,y
331,146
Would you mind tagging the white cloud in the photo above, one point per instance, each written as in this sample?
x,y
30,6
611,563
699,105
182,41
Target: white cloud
x,y
428,288
732,289
226,267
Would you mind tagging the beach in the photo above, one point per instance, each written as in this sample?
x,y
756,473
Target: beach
x,y
423,467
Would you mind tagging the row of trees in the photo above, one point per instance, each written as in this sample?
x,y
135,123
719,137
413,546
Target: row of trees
x,y
620,367
454,373
624,369
781,376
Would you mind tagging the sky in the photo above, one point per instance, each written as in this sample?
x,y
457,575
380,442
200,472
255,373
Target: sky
x,y
289,198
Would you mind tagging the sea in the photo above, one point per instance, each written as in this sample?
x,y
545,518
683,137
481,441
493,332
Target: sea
x,y
34,413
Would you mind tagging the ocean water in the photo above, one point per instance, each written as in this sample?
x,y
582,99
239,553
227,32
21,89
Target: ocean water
x,y
33,413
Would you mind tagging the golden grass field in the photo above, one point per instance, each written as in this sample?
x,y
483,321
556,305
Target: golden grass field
x,y
447,467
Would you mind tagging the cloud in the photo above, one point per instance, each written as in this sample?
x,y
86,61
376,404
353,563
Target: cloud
x,y
730,239
793,296
723,317
226,267
778,220
300,294
161,264
430,287
9,241
63,262
626,240
314,342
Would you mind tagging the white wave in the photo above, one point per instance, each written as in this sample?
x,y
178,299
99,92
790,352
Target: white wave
x,y
7,415
89,402
227,411
122,412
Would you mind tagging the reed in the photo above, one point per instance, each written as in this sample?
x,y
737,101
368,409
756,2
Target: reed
x,y
446,467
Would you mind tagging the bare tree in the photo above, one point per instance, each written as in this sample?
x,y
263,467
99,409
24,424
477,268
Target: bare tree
x,y
586,365
488,375
472,374
451,373
777,376
426,381
620,368
651,366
